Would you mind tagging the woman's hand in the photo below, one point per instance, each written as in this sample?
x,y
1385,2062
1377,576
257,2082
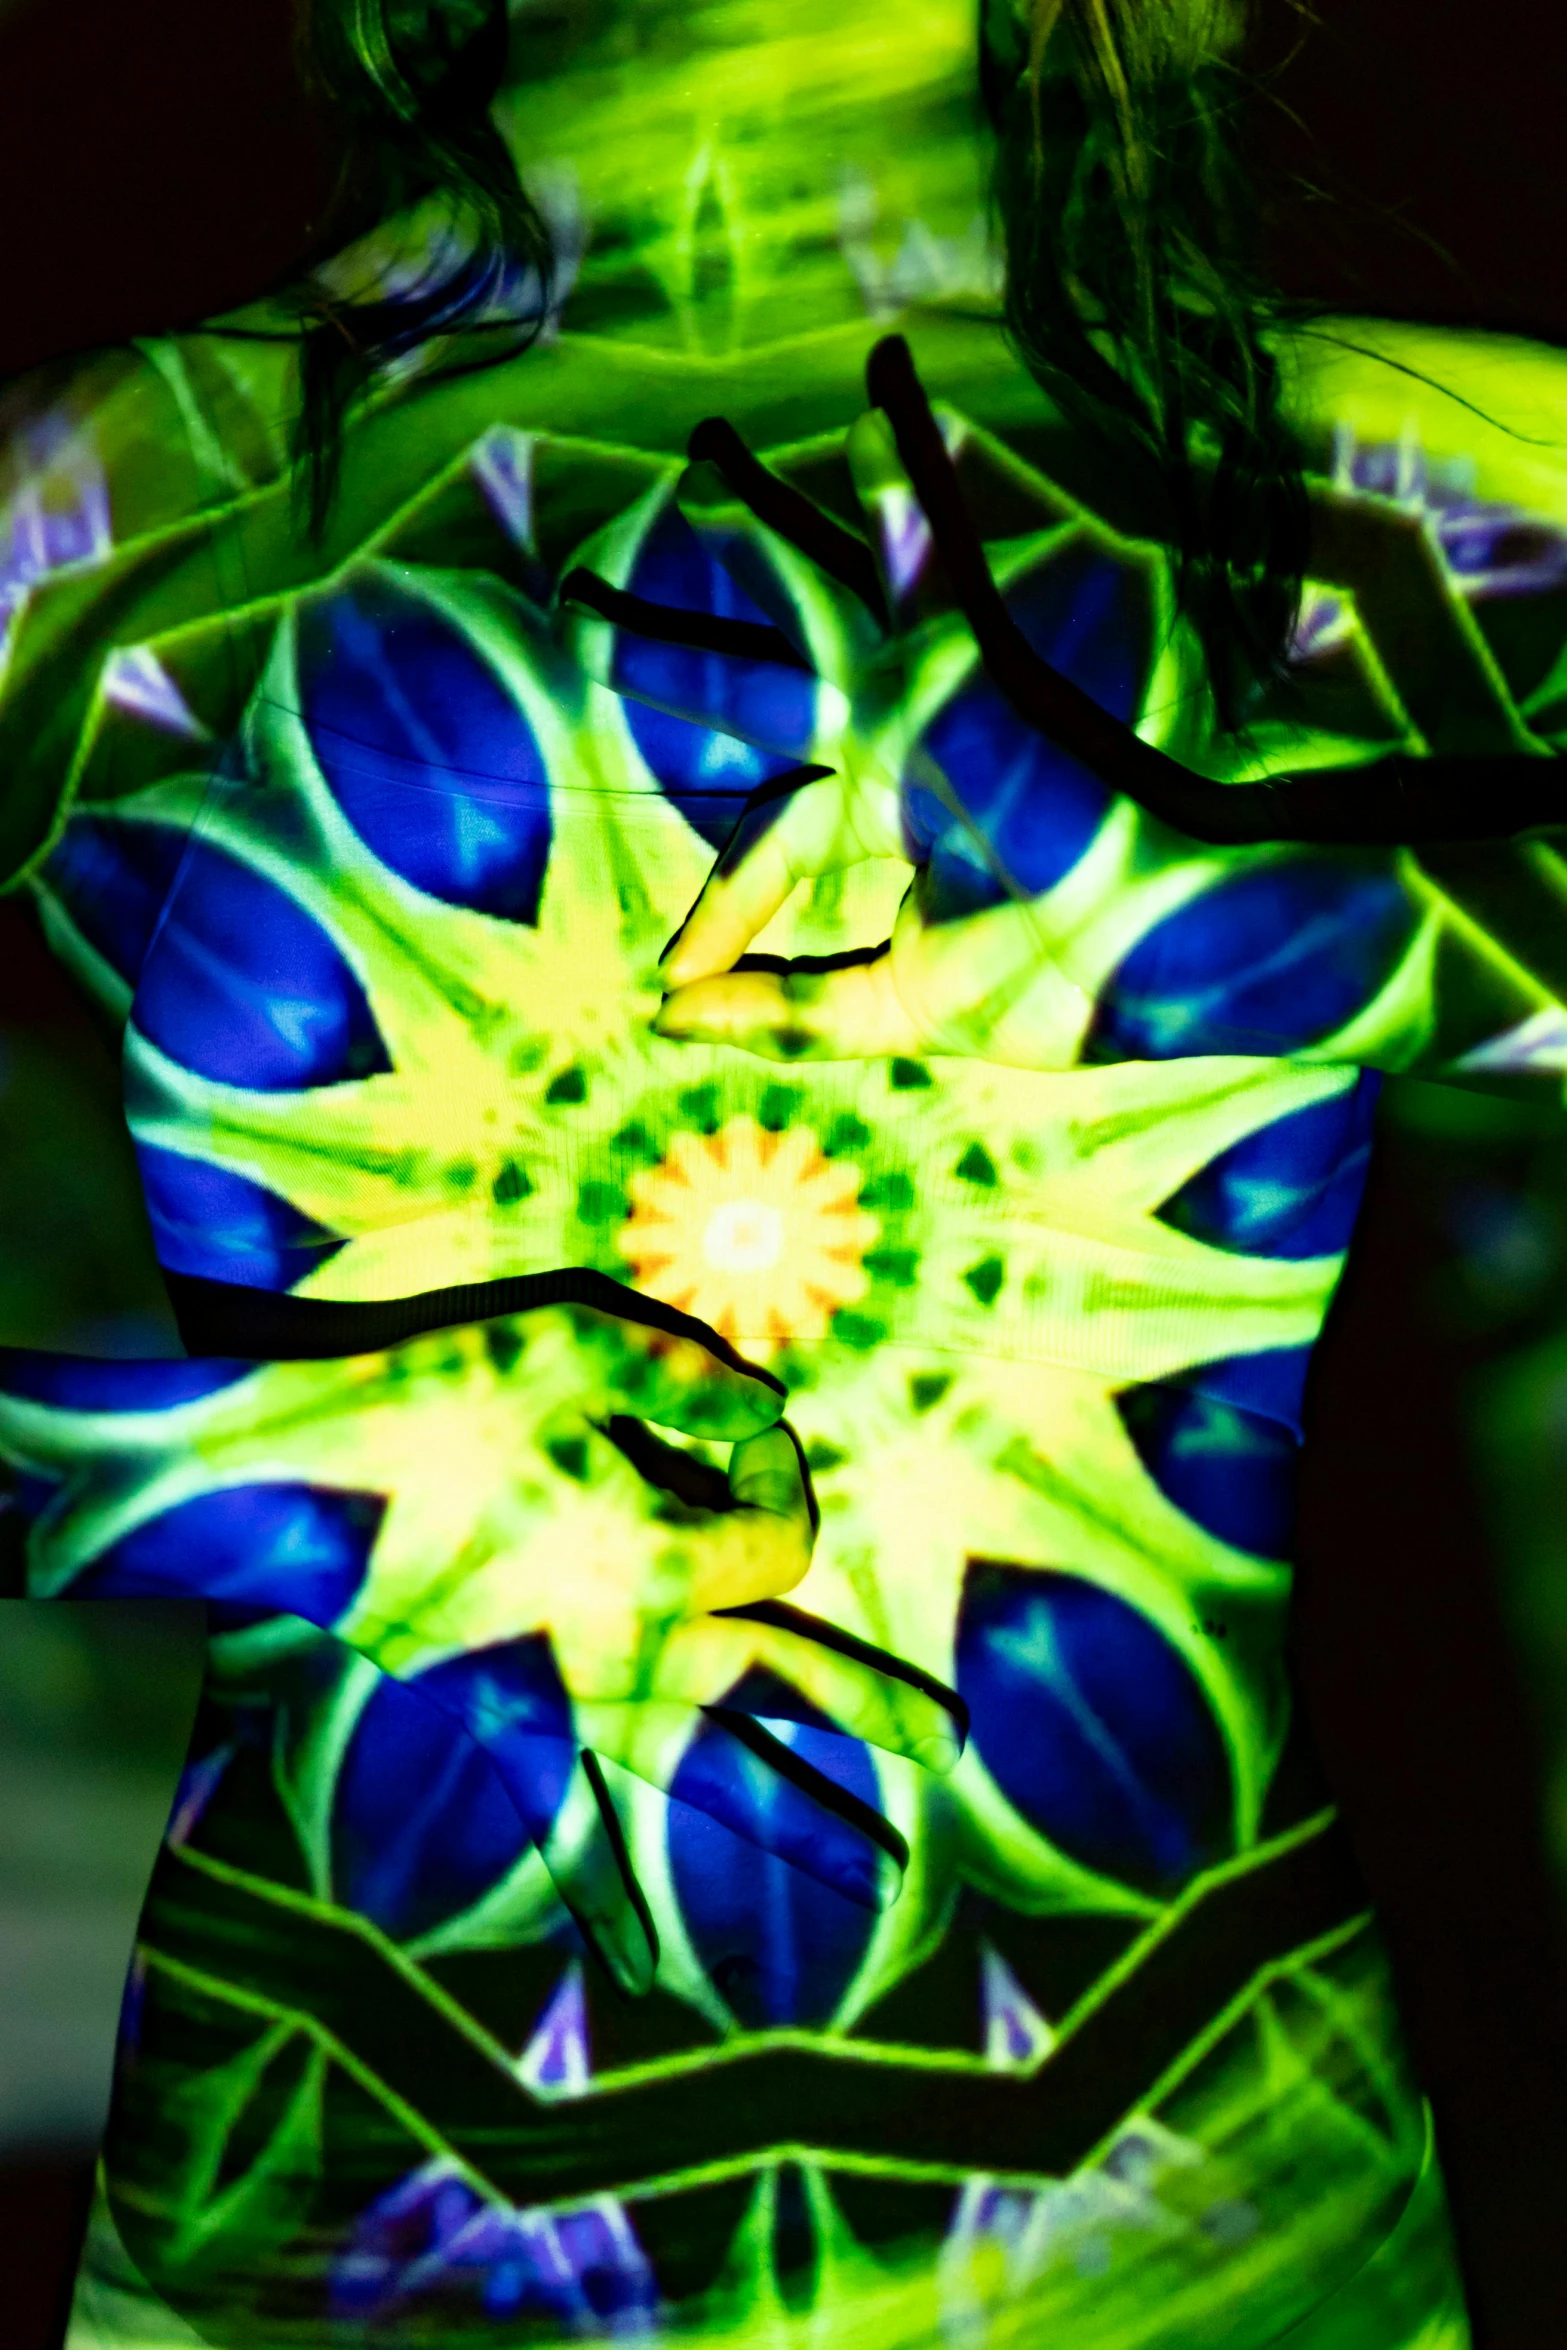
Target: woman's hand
x,y
1097,874
499,1493
987,985
976,964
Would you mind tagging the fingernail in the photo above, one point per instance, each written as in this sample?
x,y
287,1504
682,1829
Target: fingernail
x,y
940,1755
631,1964
888,1881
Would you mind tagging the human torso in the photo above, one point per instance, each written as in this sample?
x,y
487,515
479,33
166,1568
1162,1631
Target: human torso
x,y
379,882
1044,1338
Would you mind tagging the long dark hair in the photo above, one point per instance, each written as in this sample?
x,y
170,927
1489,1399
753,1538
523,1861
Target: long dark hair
x,y
1137,298
406,87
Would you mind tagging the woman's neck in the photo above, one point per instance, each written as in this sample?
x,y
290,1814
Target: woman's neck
x,y
744,170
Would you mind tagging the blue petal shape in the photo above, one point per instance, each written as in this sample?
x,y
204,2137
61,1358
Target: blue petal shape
x,y
1090,618
209,1221
1263,963
763,702
1035,806
709,776
424,1824
781,1947
1232,1471
510,1701
245,987
1293,1188
112,877
290,1549
1092,1726
427,754
1271,1382
88,1383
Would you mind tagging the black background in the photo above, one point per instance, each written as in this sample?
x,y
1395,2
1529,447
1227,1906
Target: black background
x,y
157,163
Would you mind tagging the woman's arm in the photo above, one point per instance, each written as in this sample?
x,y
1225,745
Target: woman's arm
x,y
487,1514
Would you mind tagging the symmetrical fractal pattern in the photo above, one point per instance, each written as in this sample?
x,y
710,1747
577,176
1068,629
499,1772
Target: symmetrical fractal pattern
x,y
1087,2040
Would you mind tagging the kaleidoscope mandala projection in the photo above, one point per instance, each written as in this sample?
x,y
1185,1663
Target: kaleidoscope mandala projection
x,y
949,1943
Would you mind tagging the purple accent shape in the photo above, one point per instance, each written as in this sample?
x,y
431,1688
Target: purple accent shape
x,y
1270,960
136,681
1292,1189
426,752
1234,1473
1016,2034
446,1782
112,876
92,1383
905,538
60,514
244,987
780,1946
558,2056
416,2218
433,2245
1500,550
213,1222
1093,1727
764,702
199,1782
288,1549
1491,547
502,465
1390,469
1322,624
996,2214
133,2008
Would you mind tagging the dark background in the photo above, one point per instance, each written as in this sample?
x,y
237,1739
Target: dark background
x,y
157,164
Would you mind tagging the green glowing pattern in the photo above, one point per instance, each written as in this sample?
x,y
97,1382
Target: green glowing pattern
x,y
1084,2039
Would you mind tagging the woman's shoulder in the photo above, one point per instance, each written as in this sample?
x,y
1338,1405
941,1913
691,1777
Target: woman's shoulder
x,y
1481,411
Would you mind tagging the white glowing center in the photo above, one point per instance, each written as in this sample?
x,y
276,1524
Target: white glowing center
x,y
743,1236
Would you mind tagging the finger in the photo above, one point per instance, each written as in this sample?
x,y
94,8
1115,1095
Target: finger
x,y
688,1556
590,1867
752,1778
761,1546
738,675
822,825
522,1725
667,1367
759,1785
780,840
812,578
771,1659
900,536
854,1013
852,1686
